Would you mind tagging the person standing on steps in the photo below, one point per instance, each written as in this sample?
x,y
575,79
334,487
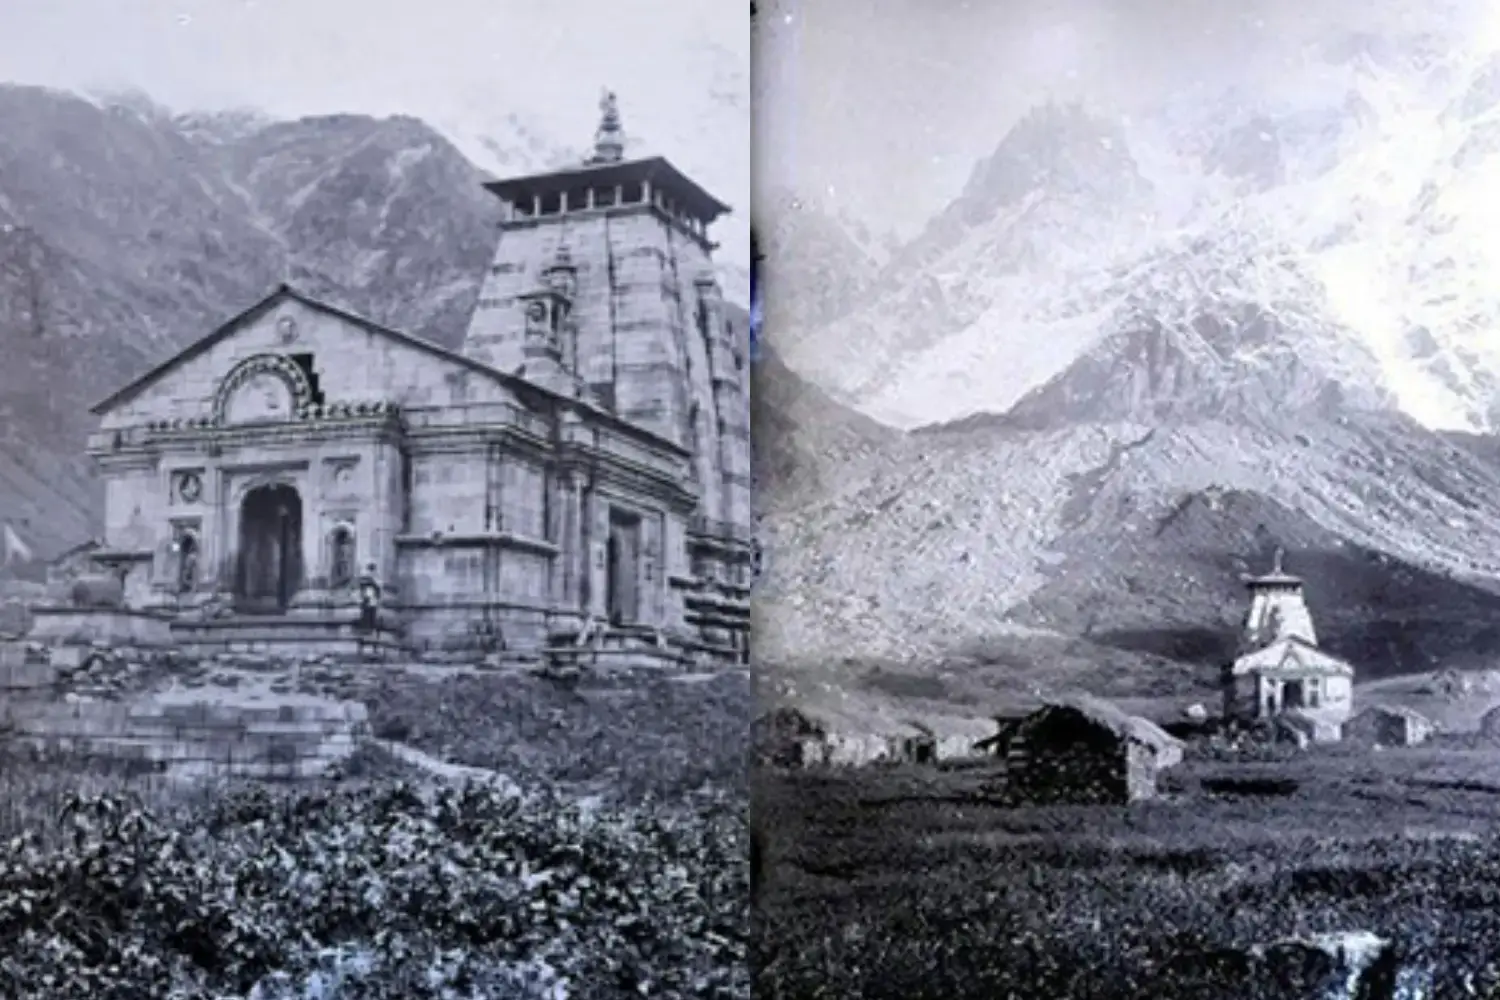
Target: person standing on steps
x,y
369,600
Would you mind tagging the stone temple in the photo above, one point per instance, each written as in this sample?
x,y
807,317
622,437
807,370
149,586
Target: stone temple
x,y
577,476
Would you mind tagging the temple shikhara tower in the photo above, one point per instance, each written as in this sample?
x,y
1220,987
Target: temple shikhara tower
x,y
577,476
1280,671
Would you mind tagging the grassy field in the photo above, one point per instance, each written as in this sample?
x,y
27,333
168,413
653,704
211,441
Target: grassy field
x,y
905,882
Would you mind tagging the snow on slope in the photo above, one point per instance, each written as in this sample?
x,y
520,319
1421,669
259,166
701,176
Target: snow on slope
x,y
1373,176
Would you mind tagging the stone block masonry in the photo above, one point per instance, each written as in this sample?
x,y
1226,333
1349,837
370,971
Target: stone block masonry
x,y
274,741
222,734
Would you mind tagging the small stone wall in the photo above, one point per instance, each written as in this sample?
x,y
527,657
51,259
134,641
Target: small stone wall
x,y
282,737
67,625
272,741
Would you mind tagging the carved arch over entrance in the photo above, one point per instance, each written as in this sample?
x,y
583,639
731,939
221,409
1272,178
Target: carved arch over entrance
x,y
263,387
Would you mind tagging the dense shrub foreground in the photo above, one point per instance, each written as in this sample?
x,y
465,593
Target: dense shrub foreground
x,y
390,893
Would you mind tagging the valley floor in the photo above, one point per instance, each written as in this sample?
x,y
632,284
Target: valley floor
x,y
905,883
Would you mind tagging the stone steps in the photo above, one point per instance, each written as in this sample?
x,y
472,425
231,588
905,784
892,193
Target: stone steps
x,y
286,635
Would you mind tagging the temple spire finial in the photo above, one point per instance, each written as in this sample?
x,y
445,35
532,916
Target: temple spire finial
x,y
609,138
1276,559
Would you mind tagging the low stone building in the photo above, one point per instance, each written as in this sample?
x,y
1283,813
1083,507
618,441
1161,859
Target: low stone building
x,y
1083,750
798,737
955,737
1280,669
1389,726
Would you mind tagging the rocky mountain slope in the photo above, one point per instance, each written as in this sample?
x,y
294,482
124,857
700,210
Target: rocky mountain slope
x,y
1107,516
799,436
1137,356
127,231
820,263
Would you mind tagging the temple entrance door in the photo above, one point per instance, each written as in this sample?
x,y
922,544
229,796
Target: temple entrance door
x,y
623,554
269,569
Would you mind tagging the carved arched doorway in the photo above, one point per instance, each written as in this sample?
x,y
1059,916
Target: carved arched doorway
x,y
269,565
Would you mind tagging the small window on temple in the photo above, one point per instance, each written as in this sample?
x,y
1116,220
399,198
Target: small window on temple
x,y
552,203
604,197
305,362
578,199
633,194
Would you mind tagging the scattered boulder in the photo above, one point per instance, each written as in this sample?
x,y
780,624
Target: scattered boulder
x,y
98,591
1451,684
1355,965
1489,724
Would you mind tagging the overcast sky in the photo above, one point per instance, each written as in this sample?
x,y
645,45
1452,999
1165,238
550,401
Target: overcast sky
x,y
888,103
680,67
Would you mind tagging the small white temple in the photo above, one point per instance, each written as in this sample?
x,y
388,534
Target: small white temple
x,y
1280,671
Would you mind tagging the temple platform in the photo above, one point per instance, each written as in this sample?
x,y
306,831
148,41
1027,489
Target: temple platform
x,y
620,648
293,636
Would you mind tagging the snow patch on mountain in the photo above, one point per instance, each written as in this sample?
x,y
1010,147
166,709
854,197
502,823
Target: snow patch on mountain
x,y
1371,174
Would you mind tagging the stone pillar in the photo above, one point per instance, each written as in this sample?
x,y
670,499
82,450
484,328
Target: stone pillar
x,y
652,570
597,517
557,534
226,537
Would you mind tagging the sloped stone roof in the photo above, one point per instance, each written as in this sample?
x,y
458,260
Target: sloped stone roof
x,y
1294,656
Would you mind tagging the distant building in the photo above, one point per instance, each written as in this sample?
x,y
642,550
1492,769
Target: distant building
x,y
1083,750
1280,670
1389,726
795,737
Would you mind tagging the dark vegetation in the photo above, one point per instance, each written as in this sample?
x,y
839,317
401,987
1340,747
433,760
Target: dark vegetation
x,y
384,884
906,882
386,892
628,740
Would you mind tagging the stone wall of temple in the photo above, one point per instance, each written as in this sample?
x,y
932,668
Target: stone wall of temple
x,y
631,312
388,369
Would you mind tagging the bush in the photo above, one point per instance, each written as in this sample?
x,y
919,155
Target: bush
x,y
376,894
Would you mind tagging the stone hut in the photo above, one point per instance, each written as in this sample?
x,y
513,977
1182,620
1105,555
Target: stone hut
x,y
1085,750
1389,726
779,736
955,737
798,737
